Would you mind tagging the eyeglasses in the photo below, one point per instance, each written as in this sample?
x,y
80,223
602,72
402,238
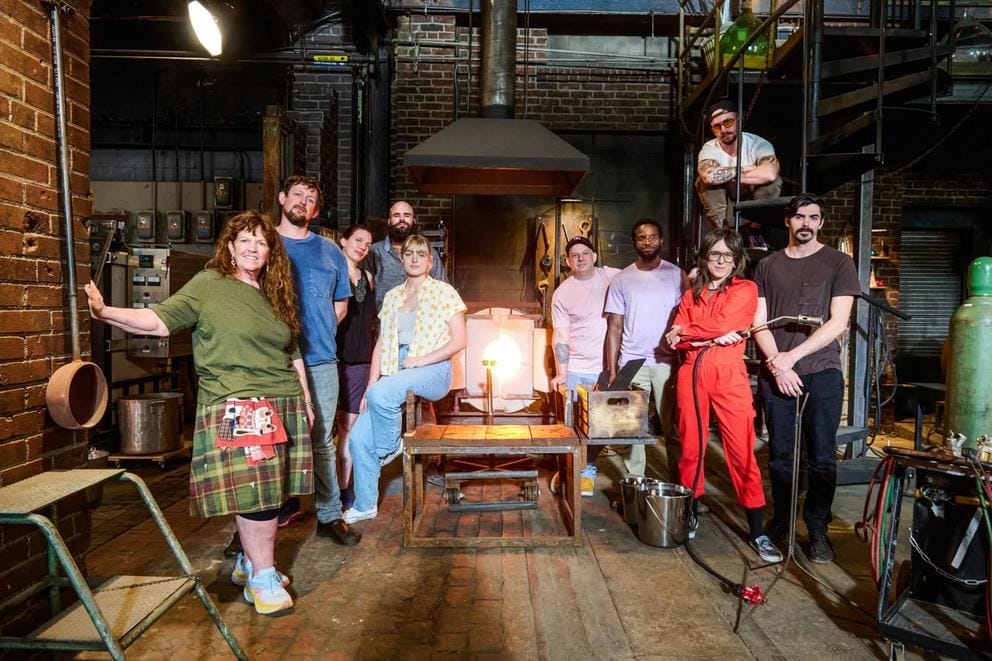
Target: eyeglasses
x,y
717,256
725,124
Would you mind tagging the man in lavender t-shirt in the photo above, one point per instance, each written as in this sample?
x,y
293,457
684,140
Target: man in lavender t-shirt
x,y
640,306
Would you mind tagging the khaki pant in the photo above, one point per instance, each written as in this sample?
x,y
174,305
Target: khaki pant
x,y
659,381
716,199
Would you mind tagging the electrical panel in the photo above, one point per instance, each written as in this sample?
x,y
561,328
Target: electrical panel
x,y
175,226
204,226
224,192
145,226
228,215
154,274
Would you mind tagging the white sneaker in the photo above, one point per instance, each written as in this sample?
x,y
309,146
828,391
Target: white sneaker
x,y
354,515
266,592
242,572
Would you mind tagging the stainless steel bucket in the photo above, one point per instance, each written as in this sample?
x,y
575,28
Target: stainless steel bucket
x,y
663,514
628,492
150,424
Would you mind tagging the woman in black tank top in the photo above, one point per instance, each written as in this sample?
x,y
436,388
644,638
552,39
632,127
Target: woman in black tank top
x,y
355,340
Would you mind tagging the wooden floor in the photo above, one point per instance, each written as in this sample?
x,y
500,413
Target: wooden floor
x,y
610,598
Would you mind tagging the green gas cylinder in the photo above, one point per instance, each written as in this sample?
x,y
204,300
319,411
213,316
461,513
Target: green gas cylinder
x,y
969,368
756,55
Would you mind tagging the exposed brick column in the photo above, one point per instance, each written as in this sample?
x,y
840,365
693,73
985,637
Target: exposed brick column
x,y
34,324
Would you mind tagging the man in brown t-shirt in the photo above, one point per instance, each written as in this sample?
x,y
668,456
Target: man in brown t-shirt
x,y
811,279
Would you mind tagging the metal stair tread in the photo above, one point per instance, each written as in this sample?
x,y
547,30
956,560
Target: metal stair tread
x,y
860,32
848,434
42,490
124,601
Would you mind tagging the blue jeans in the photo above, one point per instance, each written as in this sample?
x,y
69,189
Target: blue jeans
x,y
573,379
821,418
377,431
323,382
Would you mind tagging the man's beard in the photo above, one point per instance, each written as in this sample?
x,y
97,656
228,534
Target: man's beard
x,y
649,255
298,218
400,231
804,236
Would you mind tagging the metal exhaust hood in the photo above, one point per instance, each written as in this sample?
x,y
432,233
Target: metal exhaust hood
x,y
495,154
485,156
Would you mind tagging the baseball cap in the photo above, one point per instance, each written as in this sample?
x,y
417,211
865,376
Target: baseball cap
x,y
578,241
721,106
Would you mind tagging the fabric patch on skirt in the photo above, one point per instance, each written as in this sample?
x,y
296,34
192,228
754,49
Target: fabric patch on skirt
x,y
223,481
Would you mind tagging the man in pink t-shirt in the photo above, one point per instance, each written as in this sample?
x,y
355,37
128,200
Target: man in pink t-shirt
x,y
580,329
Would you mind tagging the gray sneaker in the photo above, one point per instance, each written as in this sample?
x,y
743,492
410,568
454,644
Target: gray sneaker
x,y
693,525
819,550
765,549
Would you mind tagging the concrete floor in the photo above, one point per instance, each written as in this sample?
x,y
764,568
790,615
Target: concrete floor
x,y
611,598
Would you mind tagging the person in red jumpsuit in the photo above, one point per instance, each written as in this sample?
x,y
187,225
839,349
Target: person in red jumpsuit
x,y
707,327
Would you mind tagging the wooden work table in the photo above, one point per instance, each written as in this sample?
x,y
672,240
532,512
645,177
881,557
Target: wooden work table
x,y
558,441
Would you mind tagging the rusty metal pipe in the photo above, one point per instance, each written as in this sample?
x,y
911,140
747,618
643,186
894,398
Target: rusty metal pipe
x,y
499,58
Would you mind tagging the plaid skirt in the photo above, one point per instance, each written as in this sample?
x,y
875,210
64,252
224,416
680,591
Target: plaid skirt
x,y
222,482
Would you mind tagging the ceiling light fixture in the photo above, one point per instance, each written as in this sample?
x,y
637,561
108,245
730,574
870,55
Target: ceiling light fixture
x,y
206,27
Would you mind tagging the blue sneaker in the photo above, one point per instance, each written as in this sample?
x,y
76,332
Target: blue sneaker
x,y
266,592
242,572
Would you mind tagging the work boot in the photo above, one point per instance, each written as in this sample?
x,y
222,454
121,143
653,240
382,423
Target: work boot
x,y
819,550
778,532
339,532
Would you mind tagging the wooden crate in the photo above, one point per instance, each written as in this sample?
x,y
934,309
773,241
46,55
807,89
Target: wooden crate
x,y
612,413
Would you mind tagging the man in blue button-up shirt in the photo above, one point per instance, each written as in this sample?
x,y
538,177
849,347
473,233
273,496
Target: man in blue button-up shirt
x,y
385,254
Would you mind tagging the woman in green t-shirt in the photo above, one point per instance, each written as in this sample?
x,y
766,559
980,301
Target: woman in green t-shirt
x,y
251,443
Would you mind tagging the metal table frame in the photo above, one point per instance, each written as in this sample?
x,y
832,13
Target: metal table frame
x,y
122,608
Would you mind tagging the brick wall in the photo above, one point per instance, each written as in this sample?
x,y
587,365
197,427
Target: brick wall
x,y
34,339
893,193
427,96
324,97
320,152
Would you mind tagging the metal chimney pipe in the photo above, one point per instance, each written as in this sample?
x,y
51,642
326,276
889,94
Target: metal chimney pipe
x,y
499,58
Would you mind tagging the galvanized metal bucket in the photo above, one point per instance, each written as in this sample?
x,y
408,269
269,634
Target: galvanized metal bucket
x,y
628,491
663,514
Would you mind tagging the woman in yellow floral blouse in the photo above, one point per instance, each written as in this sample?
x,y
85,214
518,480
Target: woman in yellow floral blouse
x,y
422,327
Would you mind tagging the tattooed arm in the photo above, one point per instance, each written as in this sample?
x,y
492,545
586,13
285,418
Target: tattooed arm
x,y
713,175
559,341
764,171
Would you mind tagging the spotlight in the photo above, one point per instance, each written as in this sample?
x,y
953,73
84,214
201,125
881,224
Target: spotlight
x,y
206,27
